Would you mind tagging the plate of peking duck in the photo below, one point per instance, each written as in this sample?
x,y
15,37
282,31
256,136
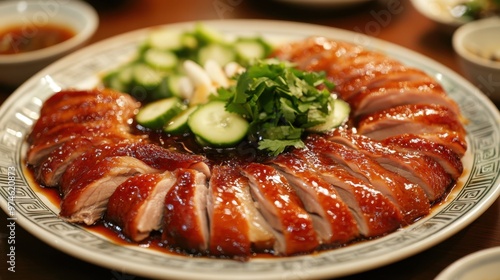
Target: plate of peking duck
x,y
247,149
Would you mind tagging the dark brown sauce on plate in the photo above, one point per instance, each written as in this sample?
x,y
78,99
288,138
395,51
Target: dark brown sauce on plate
x,y
26,38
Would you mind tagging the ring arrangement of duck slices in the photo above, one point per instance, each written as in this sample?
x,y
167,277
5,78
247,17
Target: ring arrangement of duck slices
x,y
206,178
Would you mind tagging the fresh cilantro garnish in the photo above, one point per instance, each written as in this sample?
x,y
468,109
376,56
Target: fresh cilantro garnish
x,y
279,101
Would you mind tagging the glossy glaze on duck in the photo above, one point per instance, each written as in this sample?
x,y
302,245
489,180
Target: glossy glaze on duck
x,y
399,154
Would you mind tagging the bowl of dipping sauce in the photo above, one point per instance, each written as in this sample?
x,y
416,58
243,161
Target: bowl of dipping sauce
x,y
477,45
33,34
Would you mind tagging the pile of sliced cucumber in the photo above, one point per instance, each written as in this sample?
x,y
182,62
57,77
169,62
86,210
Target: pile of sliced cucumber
x,y
157,71
175,74
207,119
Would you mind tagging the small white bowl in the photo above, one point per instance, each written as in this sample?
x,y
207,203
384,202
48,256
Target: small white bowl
x,y
482,265
77,16
474,43
439,11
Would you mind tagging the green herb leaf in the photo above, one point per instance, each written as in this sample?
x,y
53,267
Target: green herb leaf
x,y
277,147
280,102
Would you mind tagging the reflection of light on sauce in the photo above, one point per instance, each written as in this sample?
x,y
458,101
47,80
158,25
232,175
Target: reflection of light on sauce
x,y
22,38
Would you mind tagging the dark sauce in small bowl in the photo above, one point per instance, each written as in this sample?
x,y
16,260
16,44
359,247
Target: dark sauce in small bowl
x,y
18,39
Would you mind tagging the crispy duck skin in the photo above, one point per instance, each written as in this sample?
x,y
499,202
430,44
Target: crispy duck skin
x,y
74,106
413,165
73,98
452,140
369,81
375,214
283,209
42,146
86,114
151,154
332,219
351,67
110,165
414,118
51,169
236,226
441,152
85,200
69,114
396,93
185,224
409,197
136,206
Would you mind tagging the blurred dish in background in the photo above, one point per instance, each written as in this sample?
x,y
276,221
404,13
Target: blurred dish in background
x,y
477,44
32,30
323,3
481,265
450,14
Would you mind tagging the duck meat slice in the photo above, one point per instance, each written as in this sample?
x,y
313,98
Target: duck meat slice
x,y
236,226
410,198
453,140
372,75
85,200
137,205
396,93
166,159
413,165
350,67
83,106
72,98
50,170
332,219
185,223
449,160
413,118
375,214
283,209
92,113
151,154
42,146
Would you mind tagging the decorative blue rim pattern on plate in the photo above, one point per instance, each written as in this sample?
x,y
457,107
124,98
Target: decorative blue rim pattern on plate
x,y
35,213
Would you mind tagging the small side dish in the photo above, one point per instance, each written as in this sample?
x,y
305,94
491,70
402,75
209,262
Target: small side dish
x,y
451,14
482,264
25,38
34,34
477,45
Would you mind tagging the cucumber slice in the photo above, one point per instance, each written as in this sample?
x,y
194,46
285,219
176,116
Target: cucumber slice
x,y
155,114
125,74
165,39
338,116
175,85
208,35
248,50
179,123
120,79
189,41
146,76
162,60
213,125
222,54
111,80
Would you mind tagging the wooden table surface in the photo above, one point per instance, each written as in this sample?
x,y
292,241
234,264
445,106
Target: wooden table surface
x,y
392,20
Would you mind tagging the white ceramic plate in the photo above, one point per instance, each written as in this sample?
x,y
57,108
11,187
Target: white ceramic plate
x,y
35,213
